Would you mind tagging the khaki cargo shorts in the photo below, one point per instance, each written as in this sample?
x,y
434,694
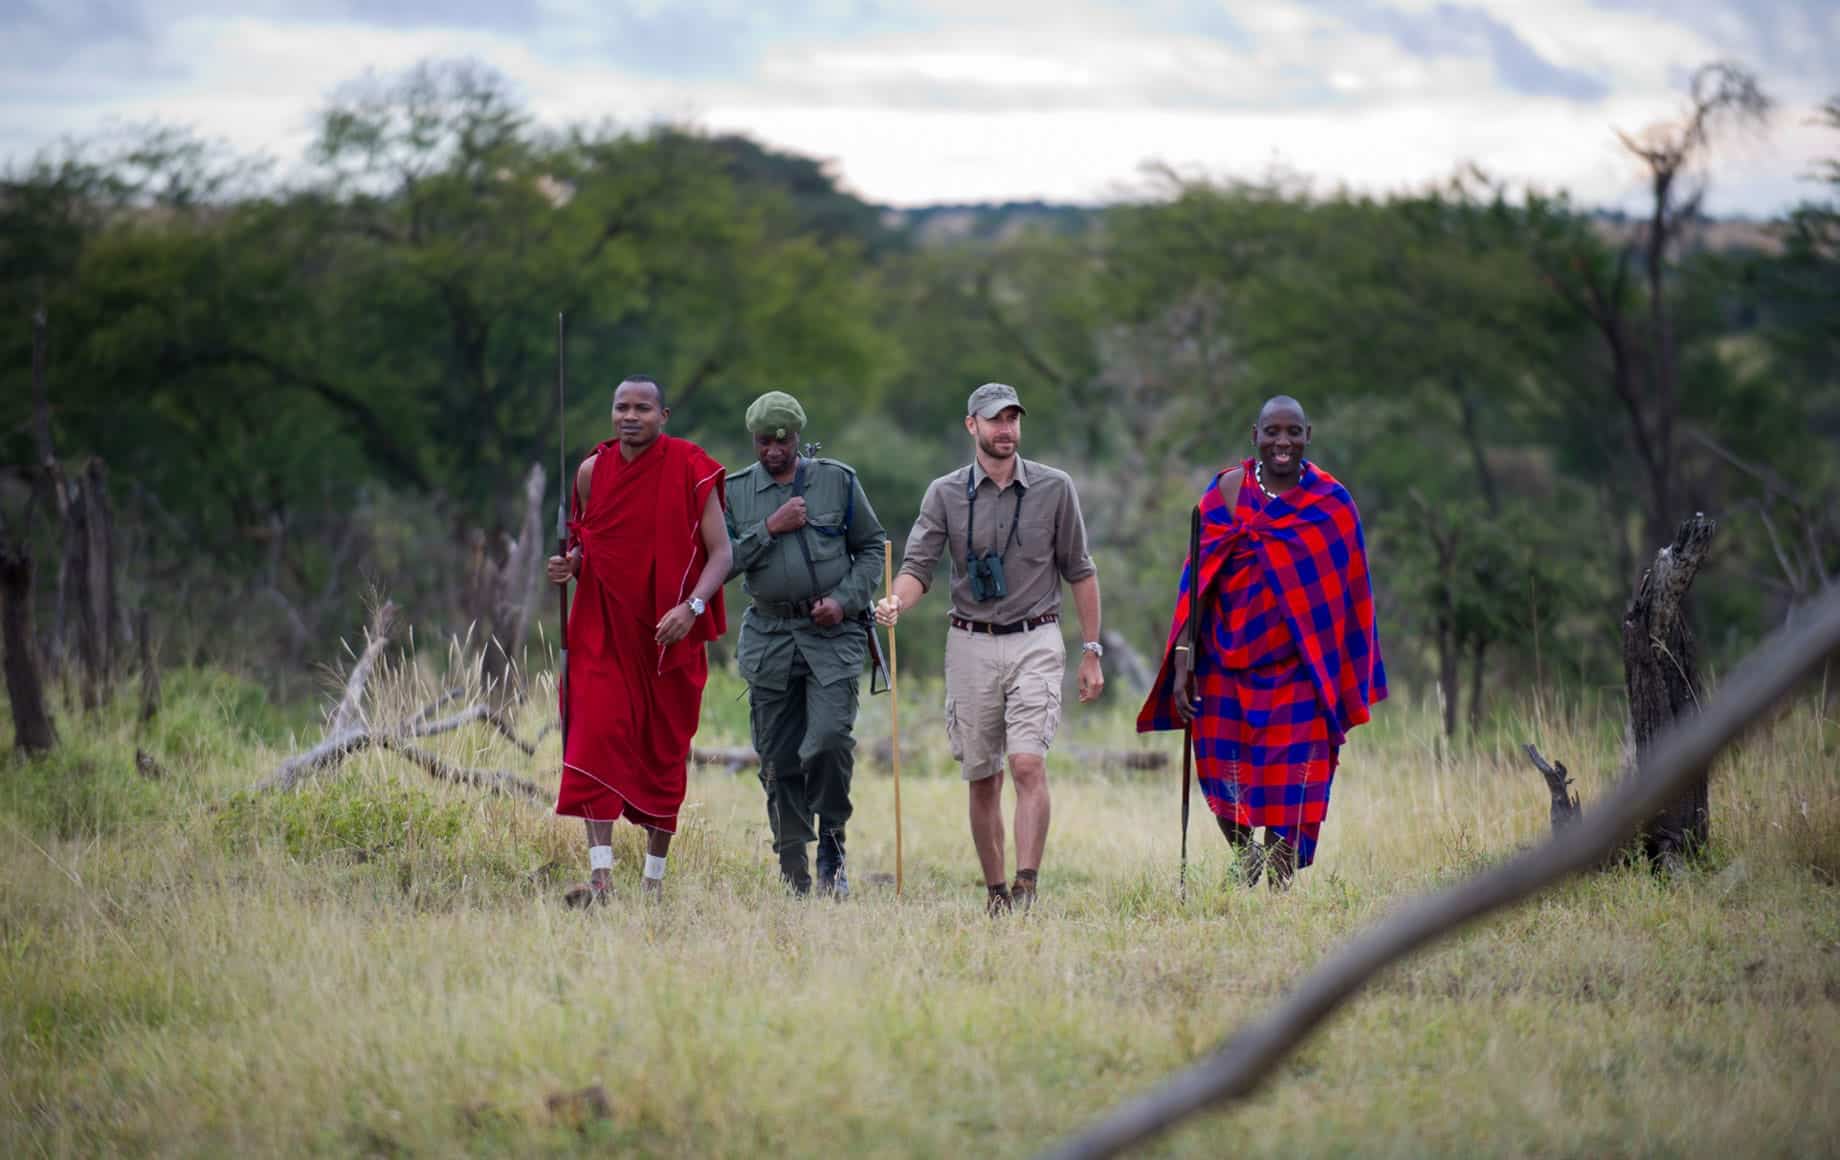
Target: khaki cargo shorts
x,y
1003,695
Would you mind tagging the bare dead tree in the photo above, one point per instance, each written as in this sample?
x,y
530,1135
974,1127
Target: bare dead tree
x,y
1642,352
1668,767
91,532
50,483
1662,680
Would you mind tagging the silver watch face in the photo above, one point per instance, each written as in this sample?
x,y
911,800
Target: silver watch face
x,y
697,605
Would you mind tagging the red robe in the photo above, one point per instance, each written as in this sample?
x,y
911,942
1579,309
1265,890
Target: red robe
x,y
633,704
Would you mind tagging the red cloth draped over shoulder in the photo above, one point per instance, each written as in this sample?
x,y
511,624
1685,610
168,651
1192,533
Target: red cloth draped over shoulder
x,y
1313,559
634,705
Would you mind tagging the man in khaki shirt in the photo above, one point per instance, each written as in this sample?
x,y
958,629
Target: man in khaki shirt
x,y
1013,529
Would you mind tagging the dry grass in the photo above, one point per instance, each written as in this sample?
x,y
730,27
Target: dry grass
x,y
380,964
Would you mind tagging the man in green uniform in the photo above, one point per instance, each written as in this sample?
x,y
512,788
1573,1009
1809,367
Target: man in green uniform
x,y
811,550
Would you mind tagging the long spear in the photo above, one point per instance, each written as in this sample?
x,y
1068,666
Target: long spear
x,y
1194,646
562,515
894,715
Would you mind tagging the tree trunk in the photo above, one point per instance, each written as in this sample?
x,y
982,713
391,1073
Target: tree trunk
x,y
1479,668
51,480
1663,682
92,532
1450,656
150,670
33,731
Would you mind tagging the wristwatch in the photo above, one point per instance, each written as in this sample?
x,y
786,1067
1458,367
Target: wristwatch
x,y
696,605
1093,647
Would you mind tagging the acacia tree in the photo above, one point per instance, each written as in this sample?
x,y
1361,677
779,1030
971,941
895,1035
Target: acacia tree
x,y
1625,292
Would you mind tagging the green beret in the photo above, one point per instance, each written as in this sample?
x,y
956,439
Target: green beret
x,y
775,413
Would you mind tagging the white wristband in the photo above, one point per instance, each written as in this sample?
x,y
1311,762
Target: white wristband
x,y
654,866
600,857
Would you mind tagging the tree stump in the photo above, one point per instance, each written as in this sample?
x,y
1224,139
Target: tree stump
x,y
1662,679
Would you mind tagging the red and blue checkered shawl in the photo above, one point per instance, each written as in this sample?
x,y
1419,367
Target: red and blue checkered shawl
x,y
1313,556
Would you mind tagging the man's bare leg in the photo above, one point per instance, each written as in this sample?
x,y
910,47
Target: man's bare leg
x,y
657,845
600,834
986,796
600,867
1032,809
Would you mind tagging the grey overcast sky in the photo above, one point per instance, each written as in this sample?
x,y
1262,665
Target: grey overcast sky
x,y
955,100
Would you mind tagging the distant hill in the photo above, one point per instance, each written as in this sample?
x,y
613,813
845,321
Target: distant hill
x,y
931,225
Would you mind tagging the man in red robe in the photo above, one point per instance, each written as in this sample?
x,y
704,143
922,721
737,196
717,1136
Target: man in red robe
x,y
650,547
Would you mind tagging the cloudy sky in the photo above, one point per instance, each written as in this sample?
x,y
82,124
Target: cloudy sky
x,y
953,100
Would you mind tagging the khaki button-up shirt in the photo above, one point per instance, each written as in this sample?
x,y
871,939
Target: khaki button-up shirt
x,y
1050,545
846,542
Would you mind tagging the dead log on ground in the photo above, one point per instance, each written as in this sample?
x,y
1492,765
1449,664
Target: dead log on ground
x,y
347,732
497,781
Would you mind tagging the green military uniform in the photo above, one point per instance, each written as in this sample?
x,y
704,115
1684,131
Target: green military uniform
x,y
802,679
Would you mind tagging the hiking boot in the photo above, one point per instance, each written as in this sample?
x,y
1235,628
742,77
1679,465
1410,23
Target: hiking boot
x,y
832,881
794,871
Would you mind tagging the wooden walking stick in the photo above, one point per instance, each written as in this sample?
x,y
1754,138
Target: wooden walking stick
x,y
894,717
562,522
1193,631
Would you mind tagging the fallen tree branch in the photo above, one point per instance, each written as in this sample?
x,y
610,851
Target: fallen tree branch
x,y
326,754
484,713
376,638
496,781
1683,753
447,696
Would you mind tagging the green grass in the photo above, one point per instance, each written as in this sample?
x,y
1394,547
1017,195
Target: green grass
x,y
379,964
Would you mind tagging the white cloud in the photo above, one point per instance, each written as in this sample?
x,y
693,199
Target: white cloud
x,y
956,100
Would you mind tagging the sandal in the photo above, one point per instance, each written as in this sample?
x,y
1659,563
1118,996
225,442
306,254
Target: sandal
x,y
585,894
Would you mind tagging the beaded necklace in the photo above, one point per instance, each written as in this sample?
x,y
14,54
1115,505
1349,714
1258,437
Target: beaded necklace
x,y
1258,476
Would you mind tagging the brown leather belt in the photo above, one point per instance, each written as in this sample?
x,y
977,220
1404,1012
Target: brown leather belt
x,y
960,622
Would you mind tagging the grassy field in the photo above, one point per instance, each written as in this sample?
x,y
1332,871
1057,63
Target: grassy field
x,y
379,964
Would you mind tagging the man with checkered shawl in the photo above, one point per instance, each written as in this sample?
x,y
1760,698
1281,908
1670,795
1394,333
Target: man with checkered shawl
x,y
1285,659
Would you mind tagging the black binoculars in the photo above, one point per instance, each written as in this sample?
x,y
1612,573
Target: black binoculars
x,y
986,572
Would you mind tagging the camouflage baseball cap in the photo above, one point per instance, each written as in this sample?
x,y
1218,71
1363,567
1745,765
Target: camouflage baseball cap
x,y
775,413
990,399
